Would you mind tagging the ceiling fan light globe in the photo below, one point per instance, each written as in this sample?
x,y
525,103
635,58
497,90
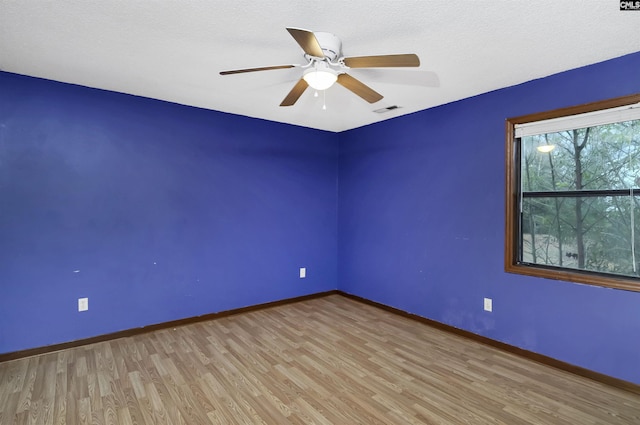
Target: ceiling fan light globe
x,y
546,148
320,80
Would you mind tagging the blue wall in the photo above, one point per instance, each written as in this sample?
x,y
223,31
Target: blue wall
x,y
154,211
421,225
168,212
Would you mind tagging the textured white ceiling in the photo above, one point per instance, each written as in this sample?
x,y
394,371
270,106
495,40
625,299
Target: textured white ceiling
x,y
173,50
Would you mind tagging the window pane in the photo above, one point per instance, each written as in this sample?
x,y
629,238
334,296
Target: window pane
x,y
569,208
595,158
584,233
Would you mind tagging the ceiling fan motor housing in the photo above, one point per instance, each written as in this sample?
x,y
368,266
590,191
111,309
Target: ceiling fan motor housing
x,y
330,44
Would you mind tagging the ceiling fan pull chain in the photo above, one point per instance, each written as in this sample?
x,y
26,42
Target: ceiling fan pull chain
x,y
324,100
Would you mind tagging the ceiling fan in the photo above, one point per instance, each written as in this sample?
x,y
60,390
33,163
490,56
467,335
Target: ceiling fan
x,y
326,66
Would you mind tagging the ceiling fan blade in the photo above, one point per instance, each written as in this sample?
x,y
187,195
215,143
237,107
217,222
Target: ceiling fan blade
x,y
409,77
359,88
295,93
308,41
383,61
264,68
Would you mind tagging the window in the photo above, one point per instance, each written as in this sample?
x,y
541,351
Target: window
x,y
573,194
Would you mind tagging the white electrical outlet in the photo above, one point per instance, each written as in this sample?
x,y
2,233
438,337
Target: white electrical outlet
x,y
303,272
83,304
488,304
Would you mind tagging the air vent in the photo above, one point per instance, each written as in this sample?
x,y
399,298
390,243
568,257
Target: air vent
x,y
387,109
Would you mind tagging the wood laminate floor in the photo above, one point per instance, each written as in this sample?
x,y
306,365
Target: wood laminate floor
x,y
330,360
